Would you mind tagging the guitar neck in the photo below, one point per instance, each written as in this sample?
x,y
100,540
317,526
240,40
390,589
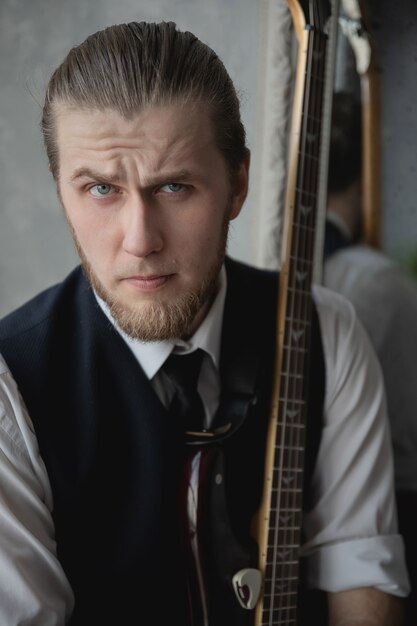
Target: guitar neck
x,y
281,508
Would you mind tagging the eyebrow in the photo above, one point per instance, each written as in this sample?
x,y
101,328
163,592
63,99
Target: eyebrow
x,y
116,177
86,172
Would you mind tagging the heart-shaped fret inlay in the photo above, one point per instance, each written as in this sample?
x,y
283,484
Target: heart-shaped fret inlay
x,y
297,334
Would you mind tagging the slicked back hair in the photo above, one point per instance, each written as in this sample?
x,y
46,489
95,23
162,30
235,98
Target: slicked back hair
x,y
129,67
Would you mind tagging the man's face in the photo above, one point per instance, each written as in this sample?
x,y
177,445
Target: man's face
x,y
149,202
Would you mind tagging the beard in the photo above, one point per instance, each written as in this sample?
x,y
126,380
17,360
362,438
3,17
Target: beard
x,y
161,321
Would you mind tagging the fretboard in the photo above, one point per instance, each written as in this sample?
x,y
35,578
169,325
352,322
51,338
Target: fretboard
x,y
281,563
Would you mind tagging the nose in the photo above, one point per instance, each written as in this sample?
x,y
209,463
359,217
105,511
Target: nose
x,y
142,234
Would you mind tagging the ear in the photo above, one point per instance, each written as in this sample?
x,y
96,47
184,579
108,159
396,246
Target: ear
x,y
240,187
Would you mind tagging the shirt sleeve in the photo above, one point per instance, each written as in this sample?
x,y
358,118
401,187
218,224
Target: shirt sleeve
x,y
33,587
351,529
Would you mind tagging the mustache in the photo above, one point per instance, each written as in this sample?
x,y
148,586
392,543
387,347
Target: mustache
x,y
146,270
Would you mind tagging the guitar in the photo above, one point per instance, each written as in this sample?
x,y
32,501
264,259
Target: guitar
x,y
354,25
267,594
278,522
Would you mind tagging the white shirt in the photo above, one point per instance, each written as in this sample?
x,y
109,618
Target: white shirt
x,y
385,300
351,531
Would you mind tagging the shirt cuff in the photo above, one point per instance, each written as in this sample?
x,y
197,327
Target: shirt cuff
x,y
371,562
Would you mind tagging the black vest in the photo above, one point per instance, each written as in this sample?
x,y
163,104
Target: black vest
x,y
114,457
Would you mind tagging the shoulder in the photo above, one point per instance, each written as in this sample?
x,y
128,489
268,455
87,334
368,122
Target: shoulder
x,y
240,271
347,348
3,367
383,295
359,268
251,289
338,323
39,309
334,310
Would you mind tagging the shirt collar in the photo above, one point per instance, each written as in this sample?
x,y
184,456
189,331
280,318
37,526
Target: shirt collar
x,y
153,354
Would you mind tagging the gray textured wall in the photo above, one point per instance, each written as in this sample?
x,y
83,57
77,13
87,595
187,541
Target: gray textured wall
x,y
35,35
395,25
35,248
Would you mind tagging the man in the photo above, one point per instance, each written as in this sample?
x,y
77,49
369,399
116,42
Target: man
x,y
385,300
144,140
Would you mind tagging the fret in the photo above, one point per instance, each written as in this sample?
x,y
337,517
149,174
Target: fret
x,y
292,290
282,615
285,551
281,582
296,306
297,386
291,564
297,321
312,124
287,598
304,228
295,347
291,413
297,425
296,377
293,436
299,352
310,116
275,571
304,263
290,445
299,348
296,473
283,510
306,194
285,587
311,155
284,622
300,272
296,402
290,379
293,407
287,518
285,492
298,290
293,422
281,597
288,501
292,440
317,78
281,569
279,541
289,460
294,340
293,359
292,470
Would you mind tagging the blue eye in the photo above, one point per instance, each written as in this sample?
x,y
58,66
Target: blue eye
x,y
173,187
101,190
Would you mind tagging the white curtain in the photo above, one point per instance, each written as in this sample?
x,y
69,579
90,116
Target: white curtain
x,y
277,54
269,163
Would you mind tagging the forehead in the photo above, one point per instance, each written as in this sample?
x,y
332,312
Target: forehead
x,y
159,135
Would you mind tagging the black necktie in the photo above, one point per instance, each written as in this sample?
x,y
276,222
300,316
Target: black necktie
x,y
184,370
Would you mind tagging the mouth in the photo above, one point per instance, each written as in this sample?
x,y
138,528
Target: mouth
x,y
149,283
